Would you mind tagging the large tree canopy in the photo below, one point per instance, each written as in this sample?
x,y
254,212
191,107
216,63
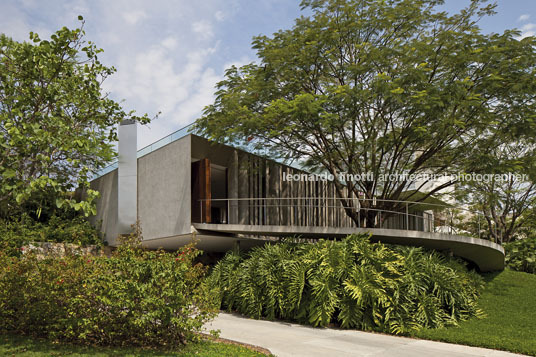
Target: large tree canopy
x,y
378,87
56,124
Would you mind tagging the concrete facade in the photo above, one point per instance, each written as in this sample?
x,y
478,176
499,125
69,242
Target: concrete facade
x,y
106,217
250,203
164,194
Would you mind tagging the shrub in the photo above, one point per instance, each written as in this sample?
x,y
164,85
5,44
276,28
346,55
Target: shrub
x,y
135,297
14,234
355,283
521,255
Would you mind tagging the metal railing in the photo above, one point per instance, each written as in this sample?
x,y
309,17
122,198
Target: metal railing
x,y
330,212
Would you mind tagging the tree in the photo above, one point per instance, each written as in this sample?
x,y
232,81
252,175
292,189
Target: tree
x,y
388,88
56,123
506,201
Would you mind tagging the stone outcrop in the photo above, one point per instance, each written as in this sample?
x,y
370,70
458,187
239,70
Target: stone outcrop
x,y
52,249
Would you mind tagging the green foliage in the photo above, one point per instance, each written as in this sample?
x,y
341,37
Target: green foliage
x,y
354,283
383,88
135,298
506,203
14,234
56,123
521,255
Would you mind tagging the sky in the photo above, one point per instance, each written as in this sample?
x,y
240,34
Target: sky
x,y
170,54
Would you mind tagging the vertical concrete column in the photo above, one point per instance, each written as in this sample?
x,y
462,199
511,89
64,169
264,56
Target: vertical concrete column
x,y
254,193
333,203
294,202
285,188
264,183
127,192
273,192
243,188
299,203
232,189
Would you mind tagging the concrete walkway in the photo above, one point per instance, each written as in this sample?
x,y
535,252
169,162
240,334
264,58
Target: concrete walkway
x,y
285,339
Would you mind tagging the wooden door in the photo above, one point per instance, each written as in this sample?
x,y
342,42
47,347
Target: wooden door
x,y
201,191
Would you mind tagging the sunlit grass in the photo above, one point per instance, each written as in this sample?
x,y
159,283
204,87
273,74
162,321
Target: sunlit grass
x,y
24,346
509,302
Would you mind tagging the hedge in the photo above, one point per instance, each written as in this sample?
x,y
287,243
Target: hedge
x,y
135,298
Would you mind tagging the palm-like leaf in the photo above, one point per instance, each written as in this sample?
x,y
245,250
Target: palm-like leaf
x,y
354,282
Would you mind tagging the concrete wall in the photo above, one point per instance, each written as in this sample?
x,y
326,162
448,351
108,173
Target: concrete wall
x,y
164,190
106,205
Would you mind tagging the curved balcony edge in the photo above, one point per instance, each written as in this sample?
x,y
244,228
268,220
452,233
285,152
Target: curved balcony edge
x,y
488,256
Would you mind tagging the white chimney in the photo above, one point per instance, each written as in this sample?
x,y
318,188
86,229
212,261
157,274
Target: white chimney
x,y
127,188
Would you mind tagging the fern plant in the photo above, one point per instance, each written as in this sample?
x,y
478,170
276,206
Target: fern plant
x,y
353,283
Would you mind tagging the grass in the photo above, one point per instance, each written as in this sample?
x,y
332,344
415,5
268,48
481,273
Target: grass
x,y
509,303
24,346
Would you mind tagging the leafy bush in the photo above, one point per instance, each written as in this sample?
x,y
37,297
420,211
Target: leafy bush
x,y
16,233
135,297
355,283
521,255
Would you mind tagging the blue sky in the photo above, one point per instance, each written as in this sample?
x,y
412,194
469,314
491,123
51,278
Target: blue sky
x,y
170,54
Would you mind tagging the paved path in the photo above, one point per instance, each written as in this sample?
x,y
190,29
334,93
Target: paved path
x,y
285,339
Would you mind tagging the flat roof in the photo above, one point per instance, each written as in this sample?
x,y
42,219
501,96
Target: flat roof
x,y
176,135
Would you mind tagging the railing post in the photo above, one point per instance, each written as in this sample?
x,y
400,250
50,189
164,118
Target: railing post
x,y
478,224
450,226
407,217
380,219
278,212
423,223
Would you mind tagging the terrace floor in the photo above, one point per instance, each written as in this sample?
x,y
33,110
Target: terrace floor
x,y
488,256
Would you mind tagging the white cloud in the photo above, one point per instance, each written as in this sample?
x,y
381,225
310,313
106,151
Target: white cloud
x,y
527,34
162,78
170,43
132,17
219,15
75,8
237,63
523,17
527,30
168,54
203,28
528,27
13,23
201,95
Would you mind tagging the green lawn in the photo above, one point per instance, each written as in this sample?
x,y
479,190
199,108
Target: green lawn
x,y
24,346
509,302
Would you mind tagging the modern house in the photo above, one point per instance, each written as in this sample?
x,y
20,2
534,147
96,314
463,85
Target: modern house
x,y
185,187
